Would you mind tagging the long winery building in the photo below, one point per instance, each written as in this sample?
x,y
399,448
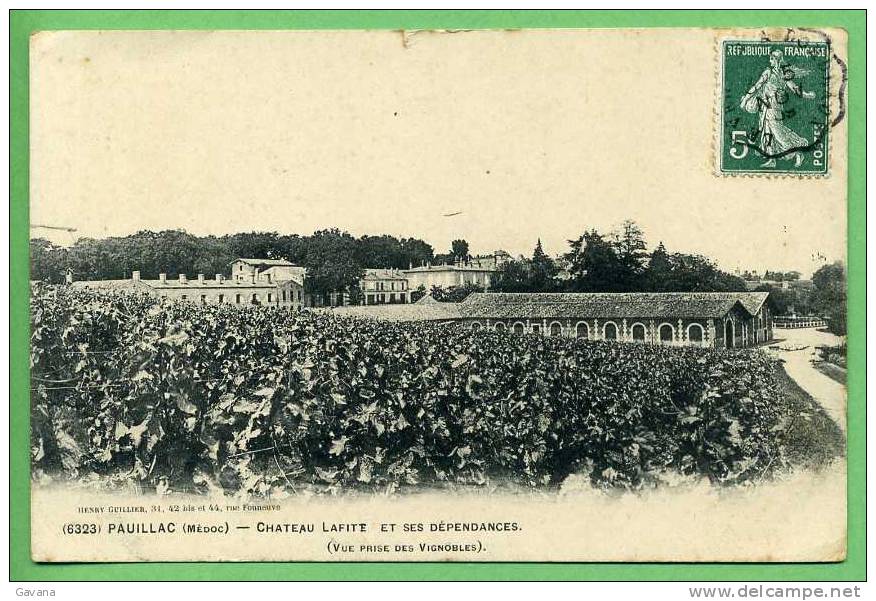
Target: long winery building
x,y
707,319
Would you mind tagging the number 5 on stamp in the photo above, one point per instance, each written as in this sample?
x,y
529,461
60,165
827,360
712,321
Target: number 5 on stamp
x,y
774,107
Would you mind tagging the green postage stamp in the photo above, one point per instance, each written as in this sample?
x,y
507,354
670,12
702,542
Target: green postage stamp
x,y
774,105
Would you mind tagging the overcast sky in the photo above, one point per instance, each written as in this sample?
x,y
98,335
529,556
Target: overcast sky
x,y
525,134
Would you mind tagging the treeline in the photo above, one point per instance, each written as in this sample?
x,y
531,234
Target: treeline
x,y
615,262
334,259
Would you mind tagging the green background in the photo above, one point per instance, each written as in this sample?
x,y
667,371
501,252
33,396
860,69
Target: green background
x,y
22,23
739,74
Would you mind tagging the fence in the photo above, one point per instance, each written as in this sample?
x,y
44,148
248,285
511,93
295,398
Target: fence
x,y
799,322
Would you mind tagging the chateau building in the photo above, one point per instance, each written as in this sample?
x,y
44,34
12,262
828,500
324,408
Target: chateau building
x,y
251,283
447,276
384,286
269,269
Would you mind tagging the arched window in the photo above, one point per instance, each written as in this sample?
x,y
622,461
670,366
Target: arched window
x,y
519,328
638,332
582,330
667,333
500,327
556,329
610,331
695,333
476,326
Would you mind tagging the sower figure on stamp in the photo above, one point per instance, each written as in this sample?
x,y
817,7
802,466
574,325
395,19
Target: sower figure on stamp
x,y
768,97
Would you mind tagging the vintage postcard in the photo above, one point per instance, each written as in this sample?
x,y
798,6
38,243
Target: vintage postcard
x,y
529,295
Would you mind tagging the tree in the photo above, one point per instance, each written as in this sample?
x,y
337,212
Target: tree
x,y
829,295
419,293
514,276
658,274
444,259
454,294
331,263
48,261
696,273
380,252
416,252
459,250
260,245
593,264
629,243
542,271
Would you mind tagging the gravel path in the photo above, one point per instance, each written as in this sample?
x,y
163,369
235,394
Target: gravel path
x,y
829,393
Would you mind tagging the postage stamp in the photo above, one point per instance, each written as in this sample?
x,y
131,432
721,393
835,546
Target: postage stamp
x,y
774,106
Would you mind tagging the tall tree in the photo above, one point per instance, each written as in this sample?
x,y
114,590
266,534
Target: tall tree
x,y
543,270
331,262
48,261
416,252
829,295
260,245
593,264
514,276
459,249
380,252
658,274
630,247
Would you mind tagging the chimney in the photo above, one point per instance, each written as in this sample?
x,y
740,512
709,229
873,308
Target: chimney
x,y
162,277
201,279
183,278
135,275
219,278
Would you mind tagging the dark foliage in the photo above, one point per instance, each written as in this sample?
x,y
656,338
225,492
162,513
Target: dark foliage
x,y
132,389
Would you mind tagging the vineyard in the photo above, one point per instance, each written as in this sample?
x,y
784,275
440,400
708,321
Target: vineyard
x,y
133,391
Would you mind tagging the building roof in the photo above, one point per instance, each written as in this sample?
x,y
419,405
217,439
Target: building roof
x,y
106,284
170,284
434,268
752,301
296,273
384,274
208,284
264,262
658,305
405,312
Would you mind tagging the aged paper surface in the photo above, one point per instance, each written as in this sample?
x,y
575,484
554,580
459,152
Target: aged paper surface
x,y
379,131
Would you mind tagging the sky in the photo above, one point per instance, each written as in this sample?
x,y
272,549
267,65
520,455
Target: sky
x,y
526,135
